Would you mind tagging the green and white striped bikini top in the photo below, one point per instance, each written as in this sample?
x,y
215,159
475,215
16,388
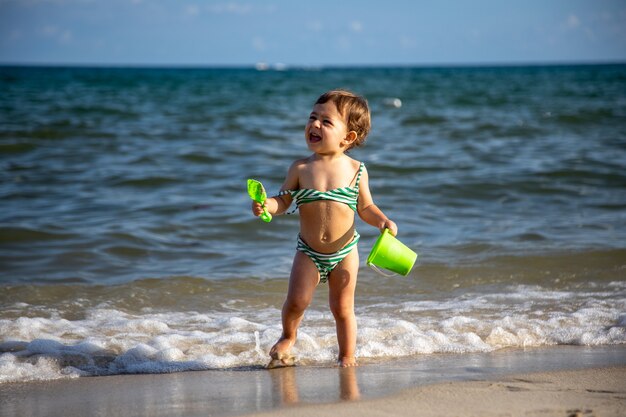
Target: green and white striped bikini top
x,y
346,195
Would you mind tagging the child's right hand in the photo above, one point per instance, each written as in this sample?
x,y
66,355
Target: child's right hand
x,y
257,208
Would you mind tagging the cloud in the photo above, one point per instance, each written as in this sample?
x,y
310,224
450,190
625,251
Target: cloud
x,y
226,8
49,31
35,3
356,26
572,21
230,8
57,33
192,10
65,36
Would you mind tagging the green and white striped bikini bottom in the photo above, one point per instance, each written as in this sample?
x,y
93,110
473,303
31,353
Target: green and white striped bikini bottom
x,y
326,262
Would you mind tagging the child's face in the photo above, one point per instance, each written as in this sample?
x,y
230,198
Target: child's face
x,y
326,131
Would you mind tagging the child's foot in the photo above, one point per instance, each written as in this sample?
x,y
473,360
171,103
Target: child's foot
x,y
281,347
280,354
347,361
281,360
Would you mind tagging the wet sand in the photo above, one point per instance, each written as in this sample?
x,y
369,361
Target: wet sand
x,y
589,392
560,381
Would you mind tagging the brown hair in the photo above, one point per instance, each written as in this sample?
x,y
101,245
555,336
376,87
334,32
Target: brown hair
x,y
354,109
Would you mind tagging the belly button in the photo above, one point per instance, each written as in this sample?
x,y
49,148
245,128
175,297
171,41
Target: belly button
x,y
325,238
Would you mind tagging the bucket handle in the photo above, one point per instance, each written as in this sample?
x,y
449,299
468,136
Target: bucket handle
x,y
377,269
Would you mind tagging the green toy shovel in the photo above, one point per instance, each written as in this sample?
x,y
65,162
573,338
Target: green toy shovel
x,y
257,193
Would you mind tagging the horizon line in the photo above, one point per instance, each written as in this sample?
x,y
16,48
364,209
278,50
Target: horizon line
x,y
279,66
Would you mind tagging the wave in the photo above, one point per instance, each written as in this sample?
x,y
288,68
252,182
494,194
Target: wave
x,y
29,235
148,182
15,147
107,340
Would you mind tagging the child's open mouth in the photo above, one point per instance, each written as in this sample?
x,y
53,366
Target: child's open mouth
x,y
314,138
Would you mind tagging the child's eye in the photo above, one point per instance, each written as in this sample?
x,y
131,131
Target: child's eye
x,y
328,122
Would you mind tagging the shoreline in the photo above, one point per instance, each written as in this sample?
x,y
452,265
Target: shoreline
x,y
433,384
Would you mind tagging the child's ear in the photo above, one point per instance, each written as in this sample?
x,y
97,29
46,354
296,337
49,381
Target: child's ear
x,y
350,137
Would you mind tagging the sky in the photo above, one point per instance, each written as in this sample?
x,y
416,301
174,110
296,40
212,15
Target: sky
x,y
312,32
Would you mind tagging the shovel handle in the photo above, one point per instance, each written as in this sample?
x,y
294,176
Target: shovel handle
x,y
266,216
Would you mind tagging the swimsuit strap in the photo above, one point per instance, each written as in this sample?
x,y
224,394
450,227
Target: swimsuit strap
x,y
358,175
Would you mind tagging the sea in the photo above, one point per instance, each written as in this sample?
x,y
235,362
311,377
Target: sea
x,y
127,243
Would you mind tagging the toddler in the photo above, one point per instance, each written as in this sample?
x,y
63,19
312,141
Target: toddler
x,y
328,187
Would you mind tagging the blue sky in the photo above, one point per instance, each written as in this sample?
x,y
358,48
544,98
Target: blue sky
x,y
311,33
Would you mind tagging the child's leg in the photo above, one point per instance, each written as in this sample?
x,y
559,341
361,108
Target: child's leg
x,y
302,282
342,285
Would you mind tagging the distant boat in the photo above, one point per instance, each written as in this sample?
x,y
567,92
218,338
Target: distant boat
x,y
393,102
264,66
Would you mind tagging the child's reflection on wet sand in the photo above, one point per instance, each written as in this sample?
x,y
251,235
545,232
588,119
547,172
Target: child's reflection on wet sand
x,y
284,382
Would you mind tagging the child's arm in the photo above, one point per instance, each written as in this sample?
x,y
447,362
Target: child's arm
x,y
369,212
279,204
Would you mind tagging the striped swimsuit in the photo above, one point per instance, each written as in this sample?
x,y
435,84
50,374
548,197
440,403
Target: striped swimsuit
x,y
326,262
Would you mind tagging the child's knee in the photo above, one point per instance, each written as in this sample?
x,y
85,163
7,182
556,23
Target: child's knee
x,y
342,311
297,304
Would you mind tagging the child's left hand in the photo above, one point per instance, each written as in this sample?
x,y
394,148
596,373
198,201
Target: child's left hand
x,y
389,224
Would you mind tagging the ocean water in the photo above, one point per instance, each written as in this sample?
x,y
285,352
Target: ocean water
x,y
127,243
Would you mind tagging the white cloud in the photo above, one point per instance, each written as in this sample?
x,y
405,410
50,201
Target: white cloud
x,y
66,36
31,3
230,7
572,21
192,10
57,33
356,26
49,31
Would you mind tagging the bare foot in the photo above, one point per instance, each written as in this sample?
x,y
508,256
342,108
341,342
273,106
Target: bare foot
x,y
283,346
347,361
281,360
280,354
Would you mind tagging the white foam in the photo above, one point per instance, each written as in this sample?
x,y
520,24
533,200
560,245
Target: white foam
x,y
109,341
40,369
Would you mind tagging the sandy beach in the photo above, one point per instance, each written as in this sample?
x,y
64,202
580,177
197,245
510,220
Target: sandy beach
x,y
559,381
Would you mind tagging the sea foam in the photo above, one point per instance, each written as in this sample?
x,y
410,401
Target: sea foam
x,y
108,341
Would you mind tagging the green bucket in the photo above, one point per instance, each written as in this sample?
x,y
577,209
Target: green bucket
x,y
391,254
